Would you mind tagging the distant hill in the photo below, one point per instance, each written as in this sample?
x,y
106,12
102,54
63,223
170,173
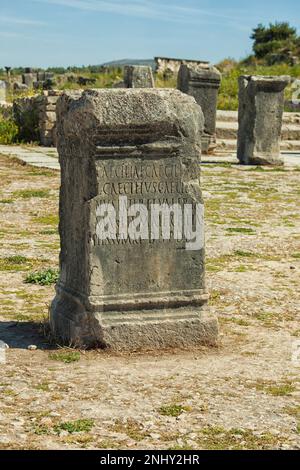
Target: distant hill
x,y
122,62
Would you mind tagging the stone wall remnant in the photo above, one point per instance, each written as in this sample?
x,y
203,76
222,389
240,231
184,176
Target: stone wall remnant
x,y
261,104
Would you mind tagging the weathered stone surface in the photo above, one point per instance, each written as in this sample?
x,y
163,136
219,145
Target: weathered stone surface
x,y
29,79
261,104
203,82
122,293
170,65
17,86
138,76
3,90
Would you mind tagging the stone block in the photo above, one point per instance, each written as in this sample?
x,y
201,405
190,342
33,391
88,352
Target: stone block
x,y
203,83
141,285
261,105
138,76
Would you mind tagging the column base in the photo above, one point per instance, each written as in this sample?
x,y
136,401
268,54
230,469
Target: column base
x,y
182,327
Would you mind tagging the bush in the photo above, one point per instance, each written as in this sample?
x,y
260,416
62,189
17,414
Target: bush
x,y
276,43
43,278
25,115
9,131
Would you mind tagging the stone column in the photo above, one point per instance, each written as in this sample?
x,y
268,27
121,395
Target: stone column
x,y
203,83
128,279
29,79
138,76
261,105
3,92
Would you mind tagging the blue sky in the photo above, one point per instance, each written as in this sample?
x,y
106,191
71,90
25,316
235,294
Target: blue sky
x,y
43,33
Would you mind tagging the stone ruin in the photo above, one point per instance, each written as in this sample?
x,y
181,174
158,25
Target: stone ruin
x,y
134,287
261,105
203,83
31,79
36,117
46,104
167,65
45,81
138,76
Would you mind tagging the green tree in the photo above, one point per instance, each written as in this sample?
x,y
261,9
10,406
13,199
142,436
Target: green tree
x,y
276,43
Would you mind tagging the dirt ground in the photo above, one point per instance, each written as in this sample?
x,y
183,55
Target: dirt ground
x,y
242,395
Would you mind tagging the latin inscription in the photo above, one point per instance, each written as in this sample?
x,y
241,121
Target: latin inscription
x,y
146,182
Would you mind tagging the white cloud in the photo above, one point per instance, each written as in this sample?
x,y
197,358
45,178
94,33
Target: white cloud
x,y
19,21
148,9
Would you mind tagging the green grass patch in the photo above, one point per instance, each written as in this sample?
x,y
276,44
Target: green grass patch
x,y
29,193
244,254
43,278
67,357
275,389
81,425
6,201
218,438
292,411
236,321
15,263
17,259
243,230
51,219
42,387
38,172
242,269
296,255
269,319
8,131
51,231
173,410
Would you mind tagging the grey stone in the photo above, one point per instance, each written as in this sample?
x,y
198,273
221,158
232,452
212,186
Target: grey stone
x,y
41,76
20,86
169,65
203,83
3,91
261,104
138,76
29,79
128,294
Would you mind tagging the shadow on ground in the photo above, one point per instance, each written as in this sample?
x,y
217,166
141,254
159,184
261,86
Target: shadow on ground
x,y
20,335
